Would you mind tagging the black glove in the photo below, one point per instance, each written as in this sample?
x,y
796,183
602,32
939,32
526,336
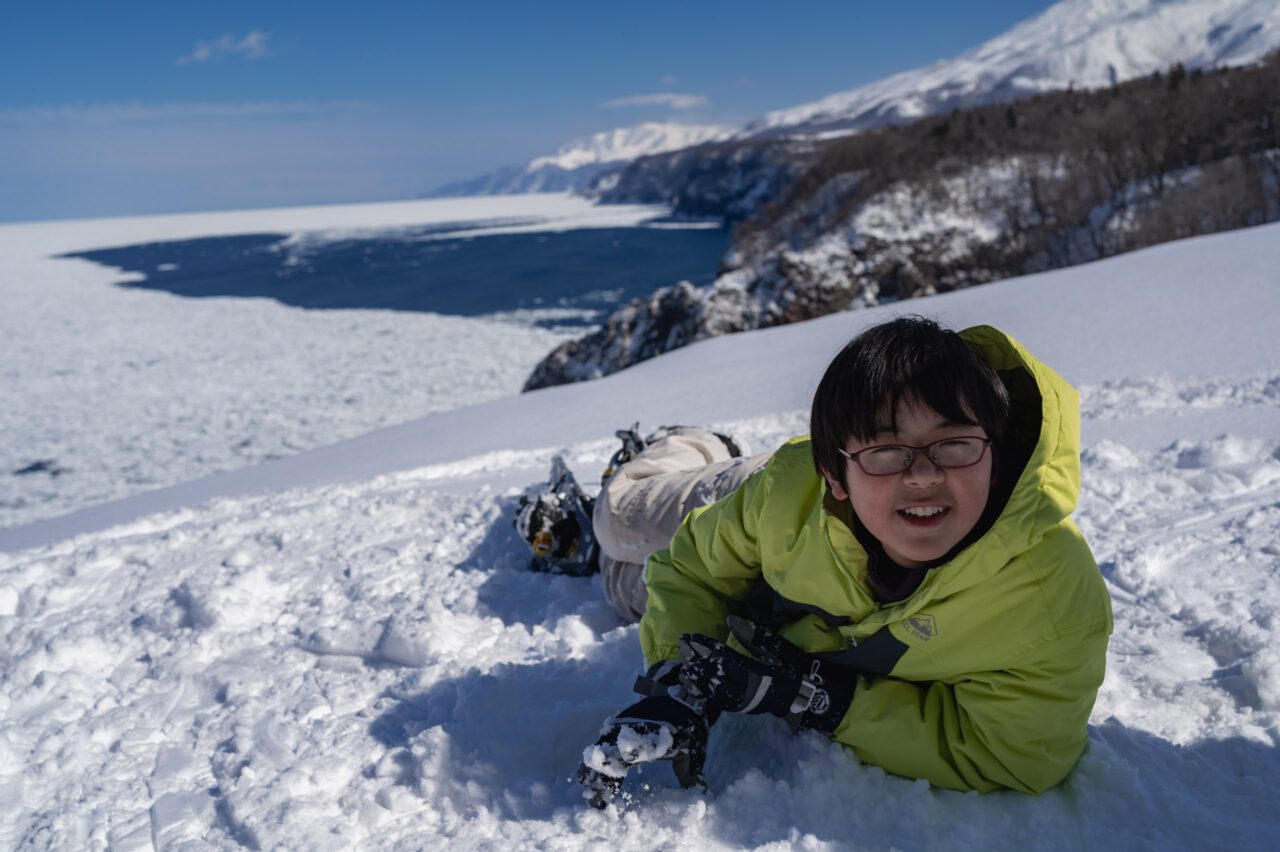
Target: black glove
x,y
782,679
664,725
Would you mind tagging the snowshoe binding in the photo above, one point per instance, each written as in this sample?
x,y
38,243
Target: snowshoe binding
x,y
557,526
632,444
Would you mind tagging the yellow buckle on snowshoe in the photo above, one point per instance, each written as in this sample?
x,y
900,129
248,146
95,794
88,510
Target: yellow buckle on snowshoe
x,y
543,543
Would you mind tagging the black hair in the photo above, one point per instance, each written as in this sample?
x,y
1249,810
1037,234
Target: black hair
x,y
908,357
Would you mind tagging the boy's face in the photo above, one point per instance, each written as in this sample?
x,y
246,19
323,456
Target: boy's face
x,y
920,514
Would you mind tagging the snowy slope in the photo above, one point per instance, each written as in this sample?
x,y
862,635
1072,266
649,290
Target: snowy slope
x,y
1081,43
342,649
1165,296
576,162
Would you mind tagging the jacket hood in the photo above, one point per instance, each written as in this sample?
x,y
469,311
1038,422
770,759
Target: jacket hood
x,y
1036,489
1042,446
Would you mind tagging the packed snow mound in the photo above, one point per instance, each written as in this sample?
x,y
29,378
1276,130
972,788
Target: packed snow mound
x,y
1080,43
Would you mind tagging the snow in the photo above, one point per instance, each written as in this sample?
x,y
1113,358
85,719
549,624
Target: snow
x,y
546,211
579,162
343,648
119,391
1081,43
629,143
974,210
1074,43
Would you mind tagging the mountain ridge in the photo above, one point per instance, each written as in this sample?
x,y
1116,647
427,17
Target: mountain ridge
x,y
575,164
1074,43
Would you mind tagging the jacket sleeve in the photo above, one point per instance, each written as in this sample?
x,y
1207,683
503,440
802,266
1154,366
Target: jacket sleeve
x,y
1021,728
713,562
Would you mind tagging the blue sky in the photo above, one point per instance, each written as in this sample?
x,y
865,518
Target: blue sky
x,y
148,107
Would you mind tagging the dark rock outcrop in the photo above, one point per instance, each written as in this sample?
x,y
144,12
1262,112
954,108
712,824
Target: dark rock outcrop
x,y
790,290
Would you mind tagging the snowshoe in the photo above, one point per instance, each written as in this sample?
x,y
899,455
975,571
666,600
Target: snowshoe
x,y
557,526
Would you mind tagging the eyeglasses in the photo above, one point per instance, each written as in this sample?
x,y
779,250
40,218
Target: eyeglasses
x,y
950,453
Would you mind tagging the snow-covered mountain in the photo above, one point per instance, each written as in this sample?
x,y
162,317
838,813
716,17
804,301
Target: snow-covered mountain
x,y
628,143
1074,43
579,161
1080,43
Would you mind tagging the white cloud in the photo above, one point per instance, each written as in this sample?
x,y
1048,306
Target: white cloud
x,y
666,99
253,45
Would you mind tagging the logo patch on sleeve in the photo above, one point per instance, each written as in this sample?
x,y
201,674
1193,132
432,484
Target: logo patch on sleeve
x,y
921,626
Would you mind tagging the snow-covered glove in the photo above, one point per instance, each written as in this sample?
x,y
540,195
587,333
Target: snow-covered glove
x,y
782,679
664,725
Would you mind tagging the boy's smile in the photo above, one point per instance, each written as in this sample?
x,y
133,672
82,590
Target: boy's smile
x,y
924,511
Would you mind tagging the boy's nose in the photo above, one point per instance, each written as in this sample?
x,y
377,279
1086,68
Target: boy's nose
x,y
922,471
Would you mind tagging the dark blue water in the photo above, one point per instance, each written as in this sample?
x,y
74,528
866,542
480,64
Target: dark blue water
x,y
590,269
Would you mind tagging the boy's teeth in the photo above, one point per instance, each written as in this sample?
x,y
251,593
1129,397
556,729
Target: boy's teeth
x,y
923,511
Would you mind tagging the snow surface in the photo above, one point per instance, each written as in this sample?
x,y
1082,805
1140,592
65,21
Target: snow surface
x,y
967,209
343,649
120,390
1082,43
578,162
629,143
545,212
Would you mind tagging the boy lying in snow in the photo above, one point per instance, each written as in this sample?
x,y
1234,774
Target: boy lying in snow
x,y
905,580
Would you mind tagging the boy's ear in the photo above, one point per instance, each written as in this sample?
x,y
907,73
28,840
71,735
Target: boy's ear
x,y
838,491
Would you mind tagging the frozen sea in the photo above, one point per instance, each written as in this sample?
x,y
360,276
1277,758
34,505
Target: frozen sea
x,y
139,353
554,279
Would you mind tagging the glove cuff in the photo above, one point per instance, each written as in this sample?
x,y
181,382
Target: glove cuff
x,y
821,703
659,679
662,680
664,709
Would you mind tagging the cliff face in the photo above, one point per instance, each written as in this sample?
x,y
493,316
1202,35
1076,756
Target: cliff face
x,y
727,180
953,201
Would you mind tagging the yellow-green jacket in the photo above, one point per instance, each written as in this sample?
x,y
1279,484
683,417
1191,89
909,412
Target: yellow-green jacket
x,y
985,676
